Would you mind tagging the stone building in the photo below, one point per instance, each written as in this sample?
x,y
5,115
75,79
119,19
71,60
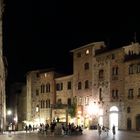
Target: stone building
x,y
22,108
104,85
131,86
82,82
48,94
2,77
17,105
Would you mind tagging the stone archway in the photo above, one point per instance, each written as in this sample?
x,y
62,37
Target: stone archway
x,y
113,117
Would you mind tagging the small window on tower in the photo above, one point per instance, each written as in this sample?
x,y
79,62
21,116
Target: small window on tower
x,y
87,51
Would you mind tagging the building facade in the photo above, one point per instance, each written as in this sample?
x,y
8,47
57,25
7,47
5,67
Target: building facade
x,y
48,96
18,106
2,78
104,86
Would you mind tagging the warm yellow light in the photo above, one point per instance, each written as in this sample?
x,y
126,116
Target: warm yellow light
x,y
9,112
79,112
37,109
15,119
100,111
93,109
87,51
40,120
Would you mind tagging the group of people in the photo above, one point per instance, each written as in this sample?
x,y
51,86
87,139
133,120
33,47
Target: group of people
x,y
105,129
56,128
71,129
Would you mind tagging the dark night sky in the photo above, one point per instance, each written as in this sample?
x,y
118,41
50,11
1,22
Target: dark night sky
x,y
41,34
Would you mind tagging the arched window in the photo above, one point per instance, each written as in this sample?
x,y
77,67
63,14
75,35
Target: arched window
x,y
114,108
100,94
48,87
128,109
138,68
48,103
115,70
69,101
42,88
86,66
131,69
86,84
101,74
79,85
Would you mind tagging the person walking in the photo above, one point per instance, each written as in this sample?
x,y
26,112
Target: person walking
x,y
113,130
99,130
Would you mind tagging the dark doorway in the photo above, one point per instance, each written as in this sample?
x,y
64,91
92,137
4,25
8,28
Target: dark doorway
x,y
138,122
128,124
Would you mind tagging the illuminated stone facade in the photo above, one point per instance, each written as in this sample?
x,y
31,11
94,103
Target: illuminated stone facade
x,y
47,96
114,77
2,79
105,84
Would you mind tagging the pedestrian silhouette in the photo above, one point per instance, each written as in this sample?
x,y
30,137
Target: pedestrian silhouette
x,y
113,130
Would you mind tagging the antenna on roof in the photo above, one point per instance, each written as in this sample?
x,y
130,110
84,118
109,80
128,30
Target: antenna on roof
x,y
135,37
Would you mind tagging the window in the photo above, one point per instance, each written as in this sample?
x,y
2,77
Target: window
x,y
131,69
37,108
69,102
42,88
59,86
48,103
47,88
86,100
113,56
138,68
80,101
69,85
59,101
100,94
41,103
128,109
115,94
139,92
79,85
86,84
115,71
87,51
37,92
130,94
101,74
79,54
45,74
86,66
37,75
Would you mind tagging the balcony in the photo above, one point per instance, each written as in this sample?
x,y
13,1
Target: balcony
x,y
130,97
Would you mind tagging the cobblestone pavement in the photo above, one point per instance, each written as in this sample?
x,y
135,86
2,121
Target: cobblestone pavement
x,y
87,135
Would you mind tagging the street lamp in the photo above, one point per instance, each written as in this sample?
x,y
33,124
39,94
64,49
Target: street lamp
x,y
9,115
9,119
9,112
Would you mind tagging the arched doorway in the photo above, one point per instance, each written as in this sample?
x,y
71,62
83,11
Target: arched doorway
x,y
128,124
138,122
113,118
